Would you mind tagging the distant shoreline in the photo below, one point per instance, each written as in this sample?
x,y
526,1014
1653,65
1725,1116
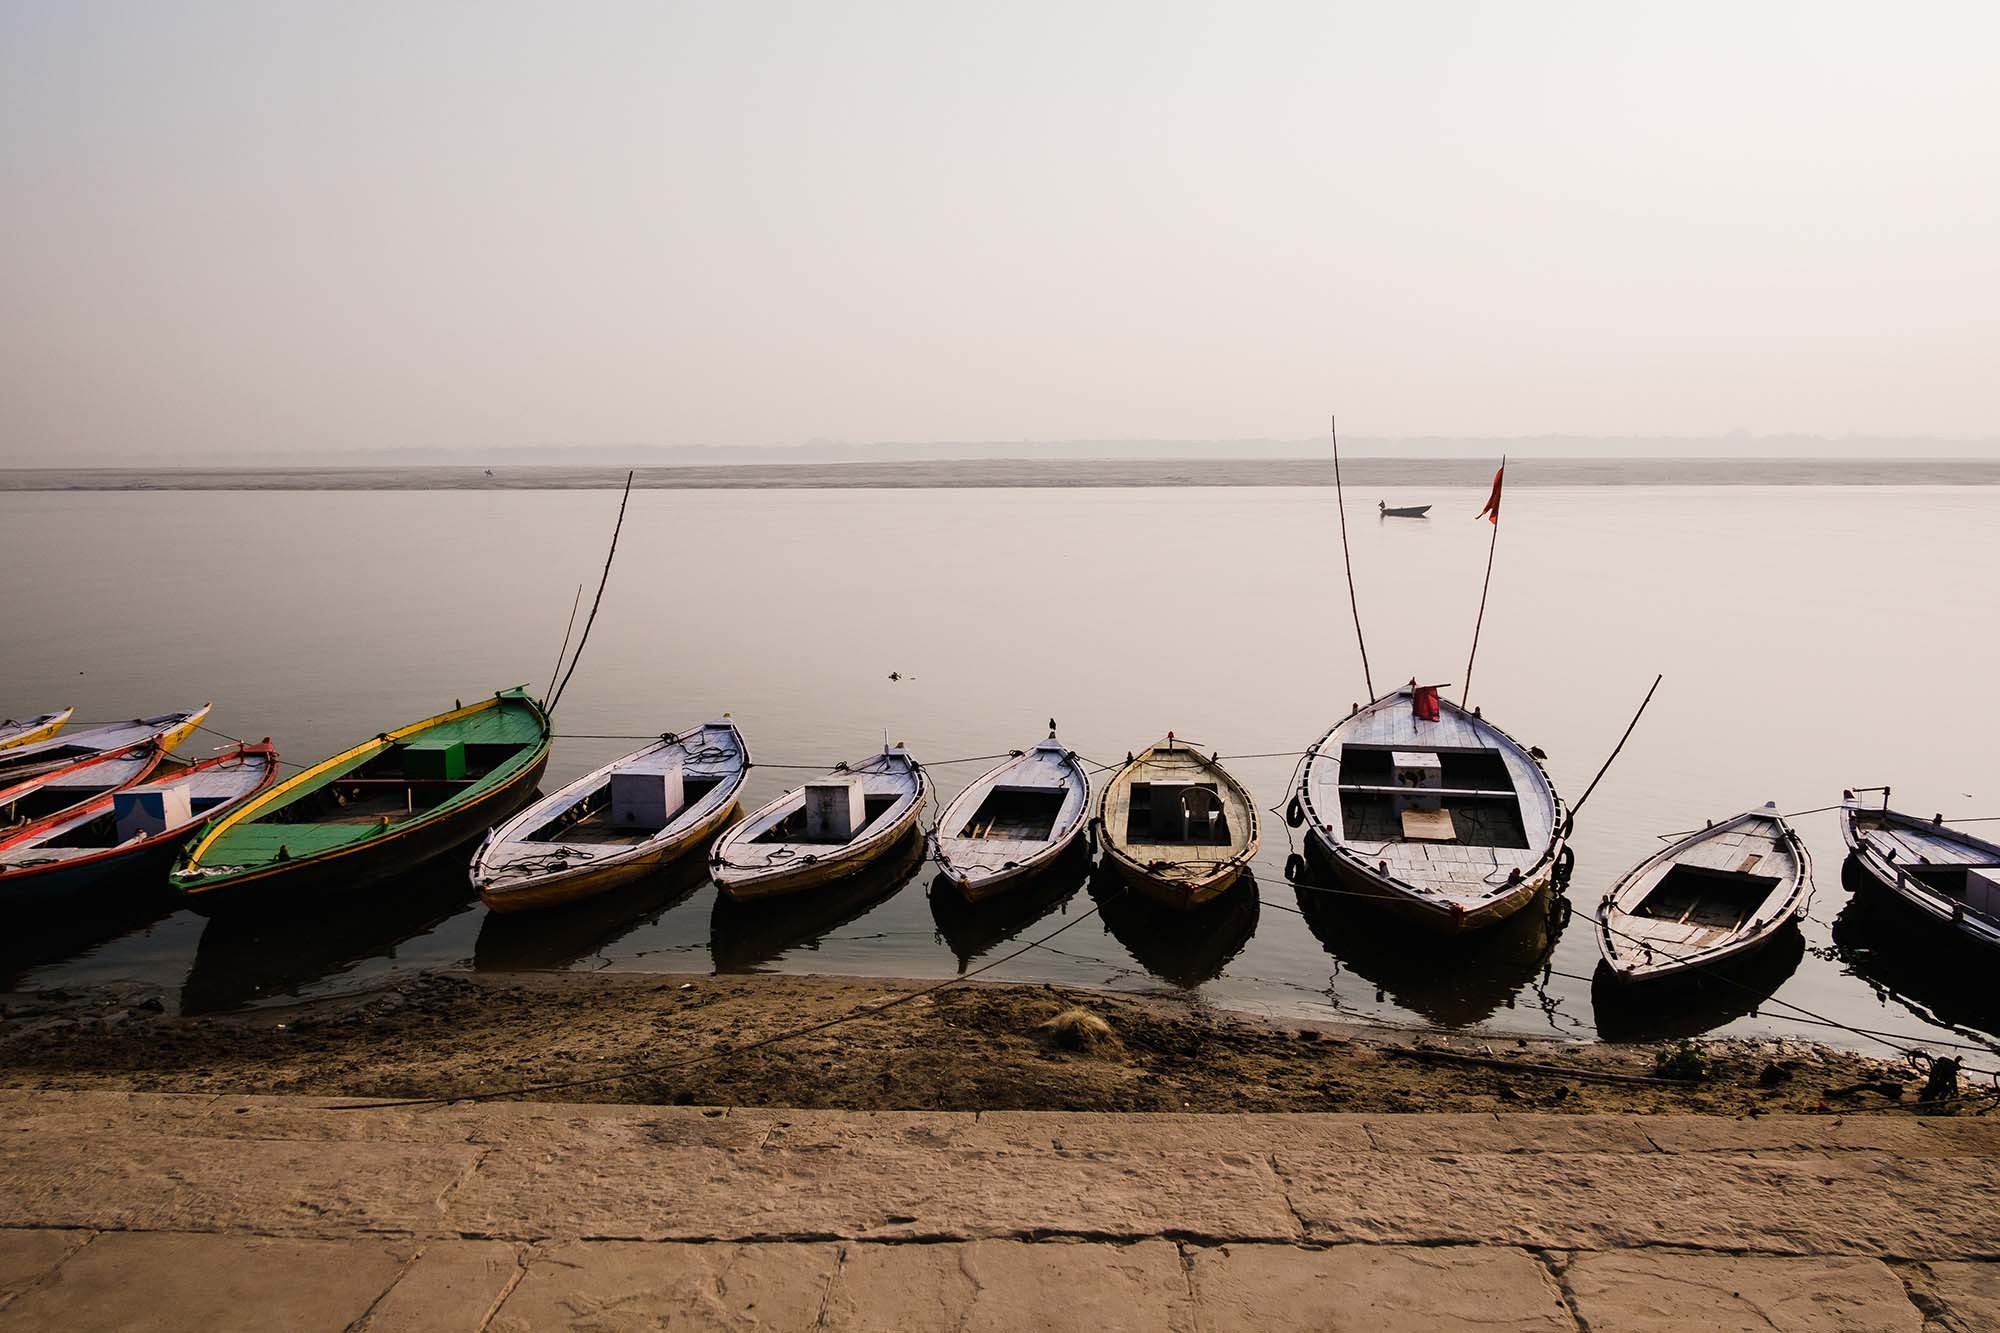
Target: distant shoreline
x,y
1033,473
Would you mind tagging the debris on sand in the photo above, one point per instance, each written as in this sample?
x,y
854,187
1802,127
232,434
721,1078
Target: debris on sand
x,y
1080,1030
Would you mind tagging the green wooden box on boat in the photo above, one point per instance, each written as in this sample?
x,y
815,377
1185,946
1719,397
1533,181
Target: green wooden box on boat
x,y
434,760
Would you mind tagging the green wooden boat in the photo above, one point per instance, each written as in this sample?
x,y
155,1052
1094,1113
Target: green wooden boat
x,y
376,810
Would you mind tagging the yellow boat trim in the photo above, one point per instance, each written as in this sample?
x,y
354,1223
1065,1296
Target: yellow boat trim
x,y
191,859
40,733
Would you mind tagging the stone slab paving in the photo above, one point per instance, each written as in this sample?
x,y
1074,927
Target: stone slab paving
x,y
131,1211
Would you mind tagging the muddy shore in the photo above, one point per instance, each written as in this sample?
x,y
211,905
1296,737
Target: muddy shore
x,y
681,1040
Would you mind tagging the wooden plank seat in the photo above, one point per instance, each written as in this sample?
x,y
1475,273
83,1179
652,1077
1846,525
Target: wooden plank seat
x,y
1369,789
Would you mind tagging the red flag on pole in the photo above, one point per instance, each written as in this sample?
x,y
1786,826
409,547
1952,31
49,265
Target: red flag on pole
x,y
1492,511
1424,702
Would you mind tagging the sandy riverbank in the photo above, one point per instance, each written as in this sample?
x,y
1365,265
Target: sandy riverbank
x,y
976,1047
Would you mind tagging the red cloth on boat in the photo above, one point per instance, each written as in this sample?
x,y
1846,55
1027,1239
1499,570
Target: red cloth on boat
x,y
1492,511
1424,702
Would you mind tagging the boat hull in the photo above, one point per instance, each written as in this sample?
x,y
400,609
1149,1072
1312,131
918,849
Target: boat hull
x,y
361,865
1437,917
844,863
36,729
589,881
1891,877
979,888
1174,891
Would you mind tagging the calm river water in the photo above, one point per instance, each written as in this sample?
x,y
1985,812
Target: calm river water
x,y
1810,638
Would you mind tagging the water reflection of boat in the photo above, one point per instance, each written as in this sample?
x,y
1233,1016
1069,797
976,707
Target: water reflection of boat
x,y
1453,981
1925,966
1698,1001
564,936
40,939
746,936
973,929
249,956
1184,946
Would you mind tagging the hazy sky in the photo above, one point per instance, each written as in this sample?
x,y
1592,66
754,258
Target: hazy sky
x,y
305,227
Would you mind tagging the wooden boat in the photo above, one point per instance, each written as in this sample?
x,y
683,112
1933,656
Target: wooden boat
x,y
826,830
53,793
1176,826
617,824
1451,822
1711,896
369,812
1946,874
131,833
29,730
1014,820
28,759
1406,511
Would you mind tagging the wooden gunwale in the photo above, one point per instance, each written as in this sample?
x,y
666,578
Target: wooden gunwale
x,y
1178,891
503,782
601,874
1356,874
1888,874
140,848
977,885
27,731
1629,960
844,859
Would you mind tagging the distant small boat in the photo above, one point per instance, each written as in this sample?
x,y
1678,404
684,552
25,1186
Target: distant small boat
x,y
372,811
29,730
1176,826
1432,809
28,759
30,800
1405,511
1013,820
131,833
1948,875
830,828
1714,895
617,824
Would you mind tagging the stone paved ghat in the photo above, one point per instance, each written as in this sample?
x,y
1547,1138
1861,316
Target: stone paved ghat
x,y
194,1212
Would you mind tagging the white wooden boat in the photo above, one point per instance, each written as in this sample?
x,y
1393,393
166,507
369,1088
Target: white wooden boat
x,y
616,824
27,730
1176,826
830,828
1014,820
1452,823
1406,511
168,729
1716,894
1945,873
58,791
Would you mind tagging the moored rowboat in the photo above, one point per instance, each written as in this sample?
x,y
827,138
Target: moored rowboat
x,y
1176,825
1432,809
1947,874
830,828
1714,895
1013,820
617,824
371,811
56,792
131,833
27,731
166,729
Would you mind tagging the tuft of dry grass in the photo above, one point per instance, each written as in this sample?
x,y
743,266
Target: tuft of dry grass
x,y
1080,1030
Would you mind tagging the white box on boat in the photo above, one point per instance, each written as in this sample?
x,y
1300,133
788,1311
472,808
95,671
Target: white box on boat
x,y
1982,893
152,808
1419,772
645,798
836,808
